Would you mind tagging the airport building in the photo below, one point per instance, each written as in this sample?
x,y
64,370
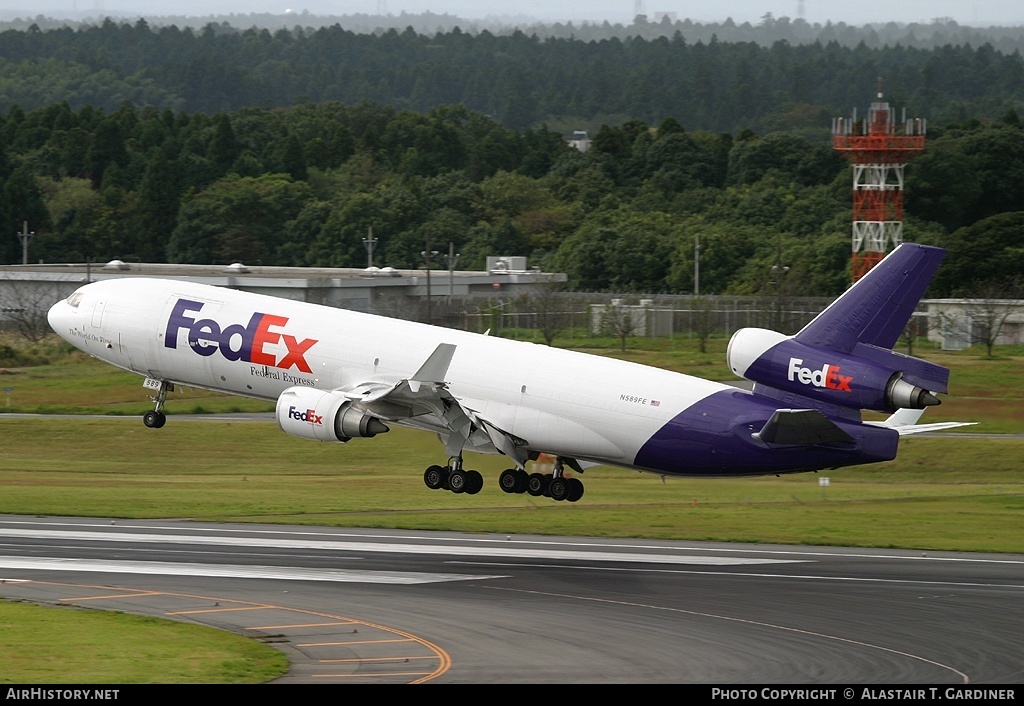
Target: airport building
x,y
30,290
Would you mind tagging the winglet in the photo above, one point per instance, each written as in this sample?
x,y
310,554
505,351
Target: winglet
x,y
435,368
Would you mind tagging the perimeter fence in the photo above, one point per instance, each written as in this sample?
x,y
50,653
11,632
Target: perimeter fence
x,y
584,314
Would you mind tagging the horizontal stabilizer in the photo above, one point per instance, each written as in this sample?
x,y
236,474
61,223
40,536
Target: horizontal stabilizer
x,y
800,426
904,421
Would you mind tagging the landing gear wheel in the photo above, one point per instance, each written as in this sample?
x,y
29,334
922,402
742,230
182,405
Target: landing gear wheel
x,y
474,482
537,484
575,490
435,477
457,481
559,488
508,481
154,420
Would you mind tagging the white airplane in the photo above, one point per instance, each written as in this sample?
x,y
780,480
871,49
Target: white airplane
x,y
338,374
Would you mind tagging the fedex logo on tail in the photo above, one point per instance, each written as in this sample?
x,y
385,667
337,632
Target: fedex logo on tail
x,y
828,377
237,342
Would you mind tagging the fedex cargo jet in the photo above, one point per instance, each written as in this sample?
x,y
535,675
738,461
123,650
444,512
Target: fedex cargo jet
x,y
336,375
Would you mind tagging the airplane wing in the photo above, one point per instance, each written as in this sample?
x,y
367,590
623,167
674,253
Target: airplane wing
x,y
424,401
904,421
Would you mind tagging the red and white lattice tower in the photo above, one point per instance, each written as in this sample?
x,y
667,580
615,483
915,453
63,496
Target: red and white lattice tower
x,y
879,149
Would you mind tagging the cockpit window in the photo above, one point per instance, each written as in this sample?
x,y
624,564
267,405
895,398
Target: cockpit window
x,y
75,299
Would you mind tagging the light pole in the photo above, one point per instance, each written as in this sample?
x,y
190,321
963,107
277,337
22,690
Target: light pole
x,y
428,256
778,272
451,259
696,265
25,237
370,243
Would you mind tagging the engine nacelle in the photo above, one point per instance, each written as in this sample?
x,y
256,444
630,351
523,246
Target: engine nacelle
x,y
869,377
324,416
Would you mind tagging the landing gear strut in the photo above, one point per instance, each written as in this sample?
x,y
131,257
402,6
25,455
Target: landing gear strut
x,y
156,418
454,478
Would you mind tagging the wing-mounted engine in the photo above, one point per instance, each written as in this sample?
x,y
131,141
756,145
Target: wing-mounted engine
x,y
866,377
324,416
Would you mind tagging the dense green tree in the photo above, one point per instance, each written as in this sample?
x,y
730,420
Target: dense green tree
x,y
293,159
73,208
944,184
224,148
988,252
236,219
621,250
107,148
783,156
997,152
156,212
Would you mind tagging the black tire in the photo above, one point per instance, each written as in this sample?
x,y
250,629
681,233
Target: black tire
x,y
435,476
154,419
559,488
575,490
457,481
537,484
474,482
508,481
522,480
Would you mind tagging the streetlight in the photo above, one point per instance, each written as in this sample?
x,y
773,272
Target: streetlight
x,y
428,256
778,272
369,242
696,265
25,237
451,259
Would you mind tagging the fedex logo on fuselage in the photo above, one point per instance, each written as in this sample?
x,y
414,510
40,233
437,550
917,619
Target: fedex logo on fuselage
x,y
828,377
235,341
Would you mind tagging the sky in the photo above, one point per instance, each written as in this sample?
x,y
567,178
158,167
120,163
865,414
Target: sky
x,y
966,12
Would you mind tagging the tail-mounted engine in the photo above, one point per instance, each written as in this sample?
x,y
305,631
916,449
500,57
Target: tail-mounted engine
x,y
867,377
324,416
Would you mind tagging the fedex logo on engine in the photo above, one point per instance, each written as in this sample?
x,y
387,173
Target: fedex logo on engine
x,y
238,342
828,377
309,416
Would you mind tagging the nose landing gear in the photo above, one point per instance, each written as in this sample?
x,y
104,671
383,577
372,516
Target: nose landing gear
x,y
156,418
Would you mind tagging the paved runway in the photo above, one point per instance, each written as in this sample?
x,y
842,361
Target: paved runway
x,y
383,606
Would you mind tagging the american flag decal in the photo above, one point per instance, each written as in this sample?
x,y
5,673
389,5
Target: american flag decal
x,y
655,403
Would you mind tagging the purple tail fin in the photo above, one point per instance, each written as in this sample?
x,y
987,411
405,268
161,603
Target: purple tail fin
x,y
876,309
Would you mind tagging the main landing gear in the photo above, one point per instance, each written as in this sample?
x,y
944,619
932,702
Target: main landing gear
x,y
554,485
454,478
458,480
156,418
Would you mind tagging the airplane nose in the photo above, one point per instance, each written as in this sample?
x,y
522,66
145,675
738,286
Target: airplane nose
x,y
57,316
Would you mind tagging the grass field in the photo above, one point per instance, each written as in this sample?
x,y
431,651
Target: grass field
x,y
44,645
942,493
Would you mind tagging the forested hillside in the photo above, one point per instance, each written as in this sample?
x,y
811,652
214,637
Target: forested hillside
x,y
519,80
287,147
